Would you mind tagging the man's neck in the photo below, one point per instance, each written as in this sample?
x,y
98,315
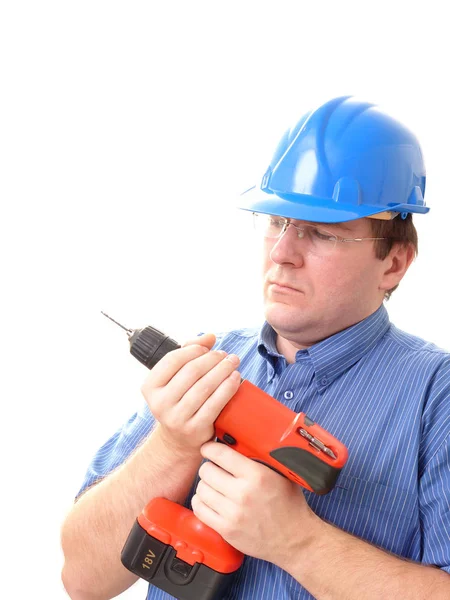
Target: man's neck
x,y
288,349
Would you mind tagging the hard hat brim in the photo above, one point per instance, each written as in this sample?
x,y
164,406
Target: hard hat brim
x,y
312,208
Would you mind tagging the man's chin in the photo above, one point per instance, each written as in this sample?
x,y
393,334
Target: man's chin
x,y
284,317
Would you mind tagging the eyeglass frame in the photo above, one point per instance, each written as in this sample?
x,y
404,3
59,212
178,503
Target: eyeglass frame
x,y
287,222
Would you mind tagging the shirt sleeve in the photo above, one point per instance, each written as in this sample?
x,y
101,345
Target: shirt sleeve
x,y
434,473
119,447
435,509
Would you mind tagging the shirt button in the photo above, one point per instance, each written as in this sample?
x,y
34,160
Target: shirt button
x,y
288,395
324,381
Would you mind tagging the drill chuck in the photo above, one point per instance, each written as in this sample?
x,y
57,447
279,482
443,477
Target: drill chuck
x,y
149,345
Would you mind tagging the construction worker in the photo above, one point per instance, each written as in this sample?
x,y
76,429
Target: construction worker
x,y
335,209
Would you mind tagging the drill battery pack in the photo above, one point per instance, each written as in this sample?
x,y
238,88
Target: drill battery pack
x,y
173,550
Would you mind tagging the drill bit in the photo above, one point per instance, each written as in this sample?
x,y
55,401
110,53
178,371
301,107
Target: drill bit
x,y
126,329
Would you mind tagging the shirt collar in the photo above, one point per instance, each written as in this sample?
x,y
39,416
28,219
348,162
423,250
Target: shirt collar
x,y
267,348
334,355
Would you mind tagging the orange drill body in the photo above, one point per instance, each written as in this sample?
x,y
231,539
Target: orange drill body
x,y
260,427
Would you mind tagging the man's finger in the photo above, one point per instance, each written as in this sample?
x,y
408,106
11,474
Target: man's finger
x,y
172,362
219,479
226,458
206,339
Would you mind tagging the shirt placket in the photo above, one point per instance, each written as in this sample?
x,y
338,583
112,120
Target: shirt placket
x,y
294,385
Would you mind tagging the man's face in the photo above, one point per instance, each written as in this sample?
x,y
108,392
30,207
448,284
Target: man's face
x,y
308,296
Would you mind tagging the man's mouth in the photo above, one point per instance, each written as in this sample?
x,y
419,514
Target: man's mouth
x,y
278,286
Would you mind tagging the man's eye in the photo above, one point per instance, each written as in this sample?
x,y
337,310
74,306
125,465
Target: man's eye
x,y
276,223
323,235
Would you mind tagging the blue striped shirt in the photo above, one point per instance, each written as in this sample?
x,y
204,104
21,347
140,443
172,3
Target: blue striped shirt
x,y
386,395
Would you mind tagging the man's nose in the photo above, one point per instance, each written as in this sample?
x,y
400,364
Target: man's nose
x,y
287,248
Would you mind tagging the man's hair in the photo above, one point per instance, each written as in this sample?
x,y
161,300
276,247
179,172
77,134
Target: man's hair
x,y
398,230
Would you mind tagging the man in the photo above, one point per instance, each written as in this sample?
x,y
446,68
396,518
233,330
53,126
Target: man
x,y
335,210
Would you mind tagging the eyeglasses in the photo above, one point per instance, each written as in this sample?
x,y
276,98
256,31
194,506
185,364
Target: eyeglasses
x,y
317,241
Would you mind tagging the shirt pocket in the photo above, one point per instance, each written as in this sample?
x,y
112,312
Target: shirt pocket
x,y
383,515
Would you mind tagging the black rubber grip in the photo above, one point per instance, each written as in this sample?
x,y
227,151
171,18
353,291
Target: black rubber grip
x,y
320,476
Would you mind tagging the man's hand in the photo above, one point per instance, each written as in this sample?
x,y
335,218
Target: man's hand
x,y
264,515
255,509
187,389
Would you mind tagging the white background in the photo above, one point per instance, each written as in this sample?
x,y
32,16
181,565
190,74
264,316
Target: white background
x,y
127,132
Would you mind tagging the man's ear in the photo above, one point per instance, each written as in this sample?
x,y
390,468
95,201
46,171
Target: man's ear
x,y
397,262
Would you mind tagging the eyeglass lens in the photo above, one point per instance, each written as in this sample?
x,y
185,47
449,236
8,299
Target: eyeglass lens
x,y
315,239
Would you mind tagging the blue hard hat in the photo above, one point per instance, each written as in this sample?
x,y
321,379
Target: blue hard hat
x,y
342,161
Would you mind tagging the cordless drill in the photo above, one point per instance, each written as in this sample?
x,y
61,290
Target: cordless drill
x,y
172,549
